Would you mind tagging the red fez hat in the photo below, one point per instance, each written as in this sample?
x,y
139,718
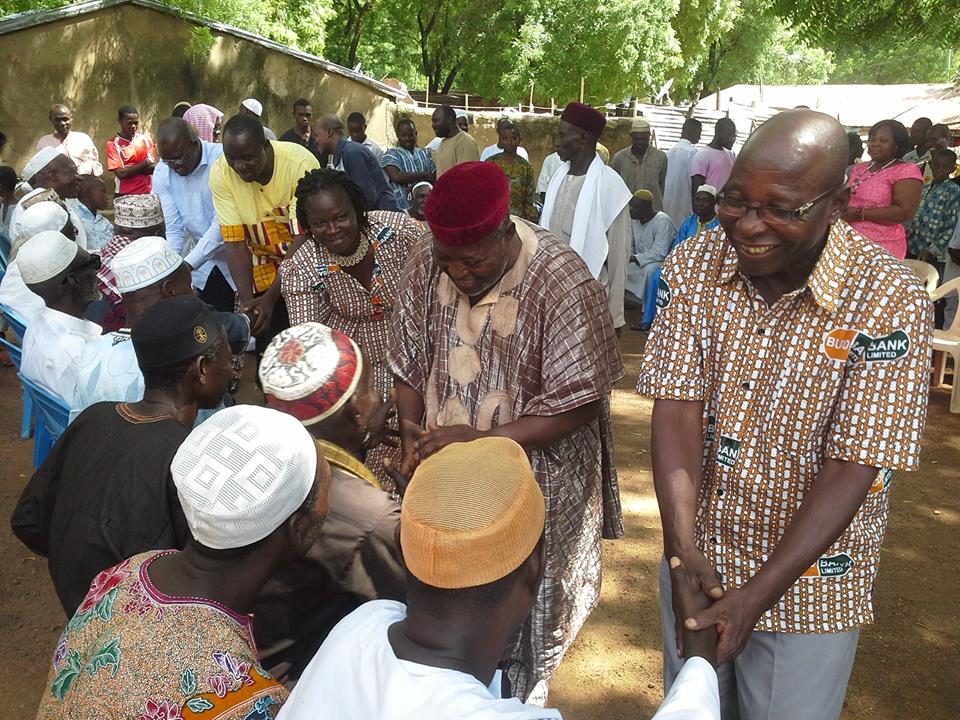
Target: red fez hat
x,y
585,118
468,203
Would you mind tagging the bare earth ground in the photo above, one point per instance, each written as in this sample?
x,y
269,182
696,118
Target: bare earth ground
x,y
906,665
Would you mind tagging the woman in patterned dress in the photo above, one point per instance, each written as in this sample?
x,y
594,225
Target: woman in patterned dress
x,y
347,271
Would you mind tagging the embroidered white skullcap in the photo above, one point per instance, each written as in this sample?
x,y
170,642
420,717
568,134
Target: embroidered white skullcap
x,y
422,183
707,189
241,473
253,105
137,211
45,215
39,161
45,255
640,124
310,371
144,262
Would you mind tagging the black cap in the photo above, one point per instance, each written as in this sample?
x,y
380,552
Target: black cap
x,y
174,330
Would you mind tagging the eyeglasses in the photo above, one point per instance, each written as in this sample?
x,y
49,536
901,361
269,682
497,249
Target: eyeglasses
x,y
766,213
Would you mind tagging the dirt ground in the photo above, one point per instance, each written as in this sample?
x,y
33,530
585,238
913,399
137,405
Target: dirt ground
x,y
903,669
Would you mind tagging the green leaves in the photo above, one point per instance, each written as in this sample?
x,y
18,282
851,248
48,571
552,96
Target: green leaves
x,y
107,656
188,682
69,671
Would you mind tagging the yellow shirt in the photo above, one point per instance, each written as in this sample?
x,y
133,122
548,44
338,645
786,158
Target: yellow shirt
x,y
263,216
454,150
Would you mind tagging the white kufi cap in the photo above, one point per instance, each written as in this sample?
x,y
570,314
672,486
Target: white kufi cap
x,y
45,215
39,161
254,106
241,473
45,255
709,189
143,262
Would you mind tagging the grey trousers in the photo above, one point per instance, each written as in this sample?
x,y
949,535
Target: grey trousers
x,y
778,676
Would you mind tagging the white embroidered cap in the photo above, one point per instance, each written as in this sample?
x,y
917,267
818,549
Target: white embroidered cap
x,y
143,262
709,189
39,161
45,255
45,215
241,473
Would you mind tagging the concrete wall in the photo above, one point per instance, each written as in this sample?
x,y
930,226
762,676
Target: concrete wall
x,y
127,54
536,131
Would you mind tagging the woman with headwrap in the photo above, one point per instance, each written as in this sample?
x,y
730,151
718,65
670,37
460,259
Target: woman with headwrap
x,y
206,119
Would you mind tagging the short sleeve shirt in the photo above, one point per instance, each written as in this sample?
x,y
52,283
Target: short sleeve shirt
x,y
837,369
262,216
124,153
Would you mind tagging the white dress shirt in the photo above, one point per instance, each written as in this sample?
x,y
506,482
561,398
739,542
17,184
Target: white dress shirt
x,y
694,695
51,345
193,229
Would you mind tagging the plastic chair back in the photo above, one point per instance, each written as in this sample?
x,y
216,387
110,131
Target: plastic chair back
x,y
953,286
17,323
15,353
925,271
52,415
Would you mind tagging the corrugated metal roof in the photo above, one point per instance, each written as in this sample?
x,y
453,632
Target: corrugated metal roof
x,y
25,20
667,121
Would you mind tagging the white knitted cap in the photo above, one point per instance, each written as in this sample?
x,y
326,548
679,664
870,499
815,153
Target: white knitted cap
x,y
254,106
39,161
241,473
143,262
45,215
45,255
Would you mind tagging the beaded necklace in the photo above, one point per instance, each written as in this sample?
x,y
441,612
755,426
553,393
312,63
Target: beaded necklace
x,y
377,283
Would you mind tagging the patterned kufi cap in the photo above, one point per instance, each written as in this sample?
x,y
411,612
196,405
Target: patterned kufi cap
x,y
137,211
310,371
40,216
709,189
241,473
472,514
143,262
640,124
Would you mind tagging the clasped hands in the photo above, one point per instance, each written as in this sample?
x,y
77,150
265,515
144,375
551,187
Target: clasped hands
x,y
417,444
712,623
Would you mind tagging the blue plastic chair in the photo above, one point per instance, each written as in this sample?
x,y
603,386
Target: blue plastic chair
x,y
53,414
19,326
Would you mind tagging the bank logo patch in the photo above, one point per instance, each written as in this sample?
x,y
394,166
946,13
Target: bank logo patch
x,y
830,566
664,294
846,344
728,451
837,343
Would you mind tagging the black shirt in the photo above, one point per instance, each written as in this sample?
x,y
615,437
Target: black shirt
x,y
293,136
103,494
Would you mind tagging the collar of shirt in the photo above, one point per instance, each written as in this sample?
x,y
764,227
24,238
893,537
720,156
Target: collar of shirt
x,y
823,281
71,324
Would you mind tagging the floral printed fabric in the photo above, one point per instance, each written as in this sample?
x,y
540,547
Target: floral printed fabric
x,y
130,651
934,223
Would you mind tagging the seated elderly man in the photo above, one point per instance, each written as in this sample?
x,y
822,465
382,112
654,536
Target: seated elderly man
x,y
42,215
653,233
471,529
166,634
49,169
319,376
146,272
80,508
65,277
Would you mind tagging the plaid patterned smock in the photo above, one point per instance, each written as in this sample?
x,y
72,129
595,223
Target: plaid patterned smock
x,y
541,343
838,369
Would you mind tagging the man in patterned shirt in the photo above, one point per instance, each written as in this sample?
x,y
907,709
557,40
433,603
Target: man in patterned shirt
x,y
789,365
500,330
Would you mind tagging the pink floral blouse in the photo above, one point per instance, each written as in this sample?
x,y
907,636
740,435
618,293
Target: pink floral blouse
x,y
874,190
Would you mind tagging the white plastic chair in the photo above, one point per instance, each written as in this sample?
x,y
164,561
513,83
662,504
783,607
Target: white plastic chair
x,y
925,271
947,342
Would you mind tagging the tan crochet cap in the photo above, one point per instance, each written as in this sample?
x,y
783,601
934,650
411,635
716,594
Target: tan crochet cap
x,y
472,514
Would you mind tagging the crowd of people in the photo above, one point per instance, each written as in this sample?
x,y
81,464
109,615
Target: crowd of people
x,y
413,523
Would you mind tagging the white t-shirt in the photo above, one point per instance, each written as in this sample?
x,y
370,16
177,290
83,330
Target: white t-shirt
x,y
356,676
490,150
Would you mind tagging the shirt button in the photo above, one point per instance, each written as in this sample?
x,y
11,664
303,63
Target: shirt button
x,y
745,386
715,540
719,492
762,331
